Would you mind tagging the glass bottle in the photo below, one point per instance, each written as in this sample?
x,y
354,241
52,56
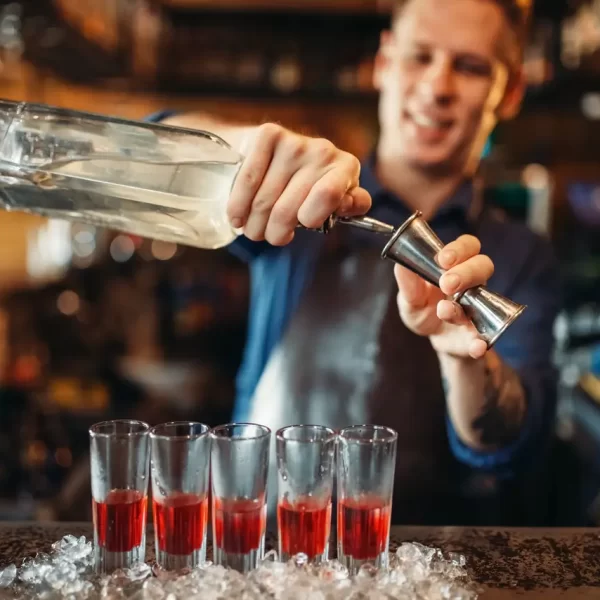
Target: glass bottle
x,y
147,179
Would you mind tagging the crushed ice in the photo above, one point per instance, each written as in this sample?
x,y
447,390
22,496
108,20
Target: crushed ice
x,y
415,571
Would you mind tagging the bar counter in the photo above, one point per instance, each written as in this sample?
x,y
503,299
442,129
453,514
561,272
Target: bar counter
x,y
508,563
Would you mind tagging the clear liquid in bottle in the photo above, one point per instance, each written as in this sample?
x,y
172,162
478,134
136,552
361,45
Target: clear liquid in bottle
x,y
149,180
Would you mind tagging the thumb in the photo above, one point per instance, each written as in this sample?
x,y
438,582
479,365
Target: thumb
x,y
413,289
356,202
416,302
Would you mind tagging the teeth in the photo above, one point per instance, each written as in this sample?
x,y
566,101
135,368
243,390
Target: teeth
x,y
425,121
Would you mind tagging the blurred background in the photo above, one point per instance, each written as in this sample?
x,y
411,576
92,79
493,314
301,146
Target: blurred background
x,y
96,324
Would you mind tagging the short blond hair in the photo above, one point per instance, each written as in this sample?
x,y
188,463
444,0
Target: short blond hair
x,y
517,14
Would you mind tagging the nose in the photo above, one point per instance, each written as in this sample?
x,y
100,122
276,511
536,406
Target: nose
x,y
437,83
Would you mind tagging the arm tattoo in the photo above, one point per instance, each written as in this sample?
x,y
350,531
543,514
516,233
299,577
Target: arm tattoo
x,y
504,404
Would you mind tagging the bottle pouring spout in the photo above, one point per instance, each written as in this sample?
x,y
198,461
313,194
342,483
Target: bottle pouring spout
x,y
365,223
415,246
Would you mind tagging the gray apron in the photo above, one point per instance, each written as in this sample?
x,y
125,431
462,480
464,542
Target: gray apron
x,y
346,358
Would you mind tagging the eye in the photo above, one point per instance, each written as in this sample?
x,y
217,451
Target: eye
x,y
473,67
419,57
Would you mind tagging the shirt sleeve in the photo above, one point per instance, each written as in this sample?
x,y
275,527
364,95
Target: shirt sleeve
x,y
242,248
527,348
161,115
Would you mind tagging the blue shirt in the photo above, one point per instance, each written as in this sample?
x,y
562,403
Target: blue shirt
x,y
525,270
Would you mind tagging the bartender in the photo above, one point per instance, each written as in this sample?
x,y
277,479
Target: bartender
x,y
338,337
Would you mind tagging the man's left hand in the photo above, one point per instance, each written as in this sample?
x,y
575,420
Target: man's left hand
x,y
425,309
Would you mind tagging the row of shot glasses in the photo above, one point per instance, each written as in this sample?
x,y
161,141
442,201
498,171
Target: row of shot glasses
x,y
190,464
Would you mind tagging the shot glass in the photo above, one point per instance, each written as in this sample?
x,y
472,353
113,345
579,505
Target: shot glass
x,y
119,455
239,468
366,465
179,463
305,463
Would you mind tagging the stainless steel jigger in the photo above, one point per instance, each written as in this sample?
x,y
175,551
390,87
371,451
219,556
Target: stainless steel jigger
x,y
415,246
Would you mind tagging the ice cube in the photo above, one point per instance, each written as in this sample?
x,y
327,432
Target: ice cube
x,y
61,574
138,572
163,574
333,571
7,575
367,572
300,560
41,558
31,572
407,552
78,587
65,544
415,571
153,590
457,559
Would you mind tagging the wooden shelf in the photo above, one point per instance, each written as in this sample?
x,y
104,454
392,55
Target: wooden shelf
x,y
185,88
313,6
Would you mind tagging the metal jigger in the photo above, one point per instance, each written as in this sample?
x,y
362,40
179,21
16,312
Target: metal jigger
x,y
415,246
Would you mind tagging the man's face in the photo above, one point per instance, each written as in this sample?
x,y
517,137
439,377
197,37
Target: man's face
x,y
441,81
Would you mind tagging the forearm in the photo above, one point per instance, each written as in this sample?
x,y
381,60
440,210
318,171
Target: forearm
x,y
234,134
486,400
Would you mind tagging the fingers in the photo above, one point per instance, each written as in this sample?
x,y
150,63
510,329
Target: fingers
x,y
477,348
287,163
273,185
285,213
325,197
283,219
461,249
357,201
251,174
288,178
447,325
473,272
465,267
462,341
451,312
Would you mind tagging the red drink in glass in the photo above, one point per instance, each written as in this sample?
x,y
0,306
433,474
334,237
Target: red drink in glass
x,y
180,523
303,527
366,468
305,460
239,526
239,465
179,472
120,520
119,456
363,527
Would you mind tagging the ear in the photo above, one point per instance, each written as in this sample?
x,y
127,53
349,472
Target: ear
x,y
513,96
382,58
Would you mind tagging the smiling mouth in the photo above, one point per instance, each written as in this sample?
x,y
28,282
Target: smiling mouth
x,y
428,122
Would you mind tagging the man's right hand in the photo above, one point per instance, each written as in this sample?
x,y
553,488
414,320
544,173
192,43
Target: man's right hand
x,y
287,179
